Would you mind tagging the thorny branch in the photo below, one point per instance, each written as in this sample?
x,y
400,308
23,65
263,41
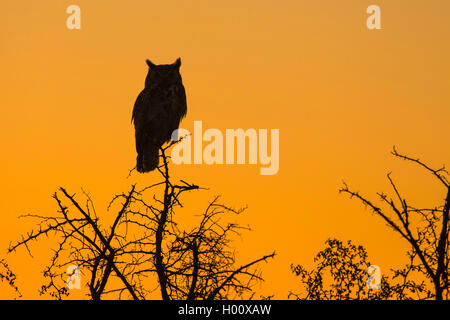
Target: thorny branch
x,y
426,230
144,242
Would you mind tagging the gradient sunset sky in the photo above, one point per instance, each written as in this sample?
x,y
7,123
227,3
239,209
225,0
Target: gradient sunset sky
x,y
340,94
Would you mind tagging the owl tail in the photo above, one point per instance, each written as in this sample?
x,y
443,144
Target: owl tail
x,y
148,160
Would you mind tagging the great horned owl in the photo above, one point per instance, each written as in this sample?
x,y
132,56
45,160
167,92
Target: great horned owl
x,y
157,112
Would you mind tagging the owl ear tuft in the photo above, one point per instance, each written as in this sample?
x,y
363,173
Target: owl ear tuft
x,y
149,63
177,63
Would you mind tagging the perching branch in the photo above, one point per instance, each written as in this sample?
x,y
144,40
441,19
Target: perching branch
x,y
144,244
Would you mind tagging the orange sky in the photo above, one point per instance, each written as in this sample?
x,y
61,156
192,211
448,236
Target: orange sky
x,y
340,94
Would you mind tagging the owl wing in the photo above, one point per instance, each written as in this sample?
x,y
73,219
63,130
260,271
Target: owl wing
x,y
178,108
142,109
150,114
179,104
150,117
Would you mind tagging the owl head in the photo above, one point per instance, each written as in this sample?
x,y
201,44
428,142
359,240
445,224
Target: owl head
x,y
163,74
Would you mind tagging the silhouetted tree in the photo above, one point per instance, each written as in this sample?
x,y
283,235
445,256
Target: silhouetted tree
x,y
82,241
8,276
340,273
145,240
425,229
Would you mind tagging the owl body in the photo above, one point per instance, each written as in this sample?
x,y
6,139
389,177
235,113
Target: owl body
x,y
157,112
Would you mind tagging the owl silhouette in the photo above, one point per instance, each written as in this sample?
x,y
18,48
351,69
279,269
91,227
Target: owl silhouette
x,y
157,112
